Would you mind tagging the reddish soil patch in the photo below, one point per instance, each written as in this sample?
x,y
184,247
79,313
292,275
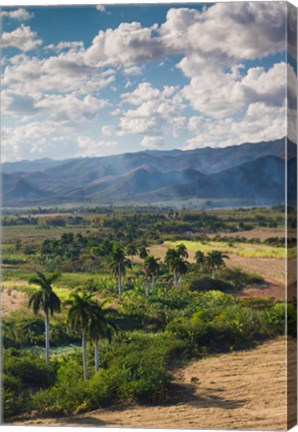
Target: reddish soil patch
x,y
270,289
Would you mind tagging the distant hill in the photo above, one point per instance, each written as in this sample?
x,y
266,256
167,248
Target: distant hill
x,y
249,171
29,166
16,189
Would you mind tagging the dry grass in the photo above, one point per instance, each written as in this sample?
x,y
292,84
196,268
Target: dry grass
x,y
242,249
261,233
12,299
243,390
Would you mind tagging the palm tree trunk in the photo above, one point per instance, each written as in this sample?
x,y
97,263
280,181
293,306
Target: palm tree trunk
x,y
47,327
213,272
96,353
119,281
147,286
152,283
175,279
84,346
180,281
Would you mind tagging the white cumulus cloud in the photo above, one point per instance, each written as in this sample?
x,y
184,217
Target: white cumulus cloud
x,y
22,38
152,142
20,14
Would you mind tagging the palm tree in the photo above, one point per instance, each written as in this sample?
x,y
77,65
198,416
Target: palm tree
x,y
151,269
215,259
47,300
100,326
180,267
143,252
131,250
79,314
118,265
146,271
182,250
200,259
170,260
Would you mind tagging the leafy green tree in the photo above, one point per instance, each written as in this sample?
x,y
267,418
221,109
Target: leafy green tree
x,y
45,299
151,269
118,265
79,315
101,326
215,260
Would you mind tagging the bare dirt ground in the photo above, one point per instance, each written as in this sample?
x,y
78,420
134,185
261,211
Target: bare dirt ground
x,y
270,289
12,299
262,233
243,390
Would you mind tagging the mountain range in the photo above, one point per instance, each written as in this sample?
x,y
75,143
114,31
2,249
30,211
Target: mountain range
x,y
248,171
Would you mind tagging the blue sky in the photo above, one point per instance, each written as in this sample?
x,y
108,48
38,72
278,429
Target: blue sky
x,y
93,81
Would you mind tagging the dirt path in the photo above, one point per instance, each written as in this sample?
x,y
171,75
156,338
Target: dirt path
x,y
243,390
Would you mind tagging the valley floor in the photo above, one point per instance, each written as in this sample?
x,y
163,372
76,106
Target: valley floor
x,y
241,390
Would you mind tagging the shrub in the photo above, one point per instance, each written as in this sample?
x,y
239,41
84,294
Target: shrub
x,y
224,326
29,369
137,368
209,284
15,397
239,278
66,395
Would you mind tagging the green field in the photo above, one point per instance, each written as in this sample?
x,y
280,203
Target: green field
x,y
242,249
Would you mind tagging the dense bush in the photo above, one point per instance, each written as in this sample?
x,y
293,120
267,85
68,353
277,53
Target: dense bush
x,y
239,278
209,284
30,332
29,368
227,326
15,396
23,373
135,368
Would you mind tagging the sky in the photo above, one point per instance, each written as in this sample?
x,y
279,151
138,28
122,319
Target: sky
x,y
83,81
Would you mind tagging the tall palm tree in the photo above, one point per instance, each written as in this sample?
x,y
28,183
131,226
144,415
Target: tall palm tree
x,y
79,314
143,252
45,299
180,267
215,259
151,269
170,259
118,265
182,250
146,271
131,250
101,325
200,259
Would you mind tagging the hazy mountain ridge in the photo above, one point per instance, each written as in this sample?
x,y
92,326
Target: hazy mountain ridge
x,y
254,171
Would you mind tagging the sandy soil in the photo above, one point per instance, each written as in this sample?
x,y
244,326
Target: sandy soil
x,y
243,390
11,299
